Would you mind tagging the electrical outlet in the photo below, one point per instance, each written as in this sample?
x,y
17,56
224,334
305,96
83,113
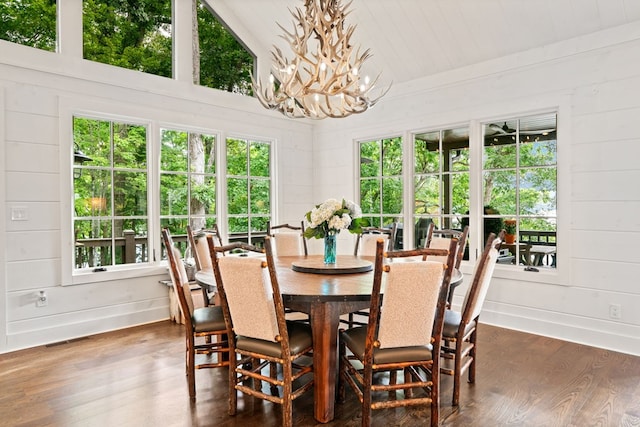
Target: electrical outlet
x,y
615,311
42,299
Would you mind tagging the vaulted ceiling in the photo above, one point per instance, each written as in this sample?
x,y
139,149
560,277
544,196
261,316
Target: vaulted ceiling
x,y
416,38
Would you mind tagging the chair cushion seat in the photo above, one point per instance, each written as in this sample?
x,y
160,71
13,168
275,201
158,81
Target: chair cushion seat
x,y
452,321
355,339
300,338
208,319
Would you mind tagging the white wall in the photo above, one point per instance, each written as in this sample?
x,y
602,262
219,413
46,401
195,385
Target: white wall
x,y
37,92
594,81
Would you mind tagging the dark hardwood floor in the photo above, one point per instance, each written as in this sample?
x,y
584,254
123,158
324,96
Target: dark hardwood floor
x,y
135,377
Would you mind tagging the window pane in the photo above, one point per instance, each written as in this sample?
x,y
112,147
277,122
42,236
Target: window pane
x,y
225,63
538,192
369,159
392,195
392,157
133,233
538,141
238,225
128,34
236,157
29,22
130,193
500,191
130,146
259,159
238,198
173,195
209,149
173,153
203,194
260,196
370,196
93,138
427,153
427,194
460,194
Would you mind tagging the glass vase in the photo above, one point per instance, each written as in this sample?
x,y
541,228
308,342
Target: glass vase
x,y
330,249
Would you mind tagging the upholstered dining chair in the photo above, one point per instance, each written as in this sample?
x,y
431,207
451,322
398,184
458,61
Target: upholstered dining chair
x,y
200,252
287,240
440,239
366,241
366,246
261,339
461,328
199,323
403,334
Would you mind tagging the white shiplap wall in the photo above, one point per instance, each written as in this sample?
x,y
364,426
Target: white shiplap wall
x,y
595,83
38,92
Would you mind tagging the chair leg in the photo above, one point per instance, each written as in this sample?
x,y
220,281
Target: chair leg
x,y
457,362
342,353
233,379
472,355
191,370
366,396
287,406
435,396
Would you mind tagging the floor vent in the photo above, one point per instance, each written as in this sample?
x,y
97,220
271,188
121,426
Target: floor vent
x,y
55,344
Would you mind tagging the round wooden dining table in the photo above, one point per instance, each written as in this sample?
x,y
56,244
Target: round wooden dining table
x,y
324,295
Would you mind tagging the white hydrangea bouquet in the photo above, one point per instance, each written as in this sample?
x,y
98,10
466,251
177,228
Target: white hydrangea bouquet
x,y
332,216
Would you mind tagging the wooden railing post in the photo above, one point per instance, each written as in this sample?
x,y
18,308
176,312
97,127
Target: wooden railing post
x,y
129,246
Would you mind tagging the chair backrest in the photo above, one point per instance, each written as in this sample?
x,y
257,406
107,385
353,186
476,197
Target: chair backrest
x,y
413,290
249,292
179,278
439,239
366,241
199,246
287,240
482,273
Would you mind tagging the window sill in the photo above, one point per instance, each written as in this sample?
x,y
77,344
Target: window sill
x,y
115,273
518,273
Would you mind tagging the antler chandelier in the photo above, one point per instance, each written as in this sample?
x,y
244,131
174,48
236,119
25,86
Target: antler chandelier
x,y
321,80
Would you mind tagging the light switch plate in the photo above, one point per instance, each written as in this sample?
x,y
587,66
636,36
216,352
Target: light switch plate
x,y
19,213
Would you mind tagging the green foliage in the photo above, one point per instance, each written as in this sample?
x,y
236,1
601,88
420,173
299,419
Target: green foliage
x,y
29,22
224,63
133,34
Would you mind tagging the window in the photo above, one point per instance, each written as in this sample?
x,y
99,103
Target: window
x,y
440,181
133,35
248,189
111,217
187,180
29,22
223,62
520,185
381,181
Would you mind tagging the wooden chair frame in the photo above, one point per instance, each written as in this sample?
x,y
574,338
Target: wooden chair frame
x,y
461,346
194,319
249,365
420,374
